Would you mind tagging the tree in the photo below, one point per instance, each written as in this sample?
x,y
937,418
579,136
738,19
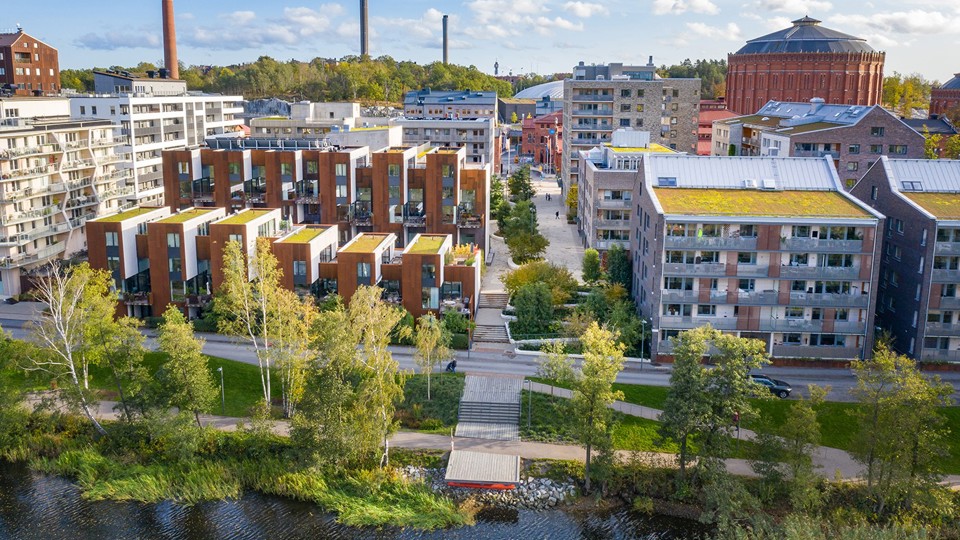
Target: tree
x,y
61,332
902,434
513,117
526,246
572,200
555,366
561,282
13,415
593,392
534,309
684,409
619,269
591,265
931,144
520,186
951,149
290,349
433,345
251,308
187,377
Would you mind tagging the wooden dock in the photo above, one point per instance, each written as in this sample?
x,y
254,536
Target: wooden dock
x,y
482,470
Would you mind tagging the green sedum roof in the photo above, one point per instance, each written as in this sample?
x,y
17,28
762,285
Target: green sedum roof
x,y
365,243
941,205
427,245
245,217
745,202
123,216
304,235
186,215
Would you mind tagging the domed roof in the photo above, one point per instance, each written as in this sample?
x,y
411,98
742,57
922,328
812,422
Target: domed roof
x,y
952,84
554,89
806,36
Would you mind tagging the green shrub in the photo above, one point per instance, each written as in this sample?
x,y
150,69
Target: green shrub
x,y
460,342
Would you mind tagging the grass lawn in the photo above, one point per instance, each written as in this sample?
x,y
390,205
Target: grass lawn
x,y
437,415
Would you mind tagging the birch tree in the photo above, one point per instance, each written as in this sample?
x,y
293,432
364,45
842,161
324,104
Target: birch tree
x,y
186,374
61,333
249,307
433,345
684,409
593,392
291,347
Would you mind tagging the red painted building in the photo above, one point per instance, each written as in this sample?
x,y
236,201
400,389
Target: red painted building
x,y
542,139
946,98
28,65
803,62
711,110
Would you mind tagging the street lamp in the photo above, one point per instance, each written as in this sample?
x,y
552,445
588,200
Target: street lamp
x,y
643,335
529,402
223,396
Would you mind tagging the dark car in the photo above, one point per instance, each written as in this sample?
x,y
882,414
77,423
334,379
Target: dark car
x,y
779,388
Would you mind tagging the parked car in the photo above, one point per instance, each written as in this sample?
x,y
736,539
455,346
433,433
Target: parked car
x,y
779,388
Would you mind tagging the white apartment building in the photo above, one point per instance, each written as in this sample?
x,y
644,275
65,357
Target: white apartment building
x,y
150,123
56,173
478,135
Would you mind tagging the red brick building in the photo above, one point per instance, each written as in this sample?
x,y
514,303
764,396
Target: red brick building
x,y
543,139
946,98
711,110
27,65
803,62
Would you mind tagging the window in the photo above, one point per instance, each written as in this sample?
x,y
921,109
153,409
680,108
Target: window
x,y
876,132
640,107
111,239
899,225
874,191
897,149
625,92
340,169
876,148
748,231
446,171
746,285
286,169
173,240
341,191
300,268
852,165
747,257
183,167
175,264
363,273
706,310
624,122
853,149
624,107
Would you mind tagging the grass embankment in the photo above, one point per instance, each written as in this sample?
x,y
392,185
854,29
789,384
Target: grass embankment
x,y
224,465
838,426
438,414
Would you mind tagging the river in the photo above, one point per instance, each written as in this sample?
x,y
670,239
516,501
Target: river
x,y
36,506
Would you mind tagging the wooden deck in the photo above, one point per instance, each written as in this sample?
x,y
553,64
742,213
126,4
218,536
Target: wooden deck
x,y
483,470
489,389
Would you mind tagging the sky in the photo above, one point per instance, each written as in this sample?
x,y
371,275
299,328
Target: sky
x,y
524,36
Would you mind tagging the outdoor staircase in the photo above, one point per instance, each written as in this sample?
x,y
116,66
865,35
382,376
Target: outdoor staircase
x,y
493,300
489,413
490,334
490,408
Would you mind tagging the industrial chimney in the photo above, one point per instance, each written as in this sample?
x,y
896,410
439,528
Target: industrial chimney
x,y
446,41
170,41
364,37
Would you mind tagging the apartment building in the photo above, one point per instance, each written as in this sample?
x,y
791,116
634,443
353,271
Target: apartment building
x,y
610,176
600,99
159,258
920,264
56,173
429,103
476,135
153,119
542,139
767,248
28,66
404,190
853,136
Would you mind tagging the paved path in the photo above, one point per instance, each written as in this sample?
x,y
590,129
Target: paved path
x,y
565,248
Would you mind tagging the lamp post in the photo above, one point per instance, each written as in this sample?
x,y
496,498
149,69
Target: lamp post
x,y
643,335
529,402
223,396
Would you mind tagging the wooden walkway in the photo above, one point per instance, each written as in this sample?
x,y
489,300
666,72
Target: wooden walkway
x,y
483,470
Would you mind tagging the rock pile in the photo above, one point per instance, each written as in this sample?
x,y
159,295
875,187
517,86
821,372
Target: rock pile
x,y
532,493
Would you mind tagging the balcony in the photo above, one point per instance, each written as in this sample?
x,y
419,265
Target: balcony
x,y
592,127
413,215
39,256
607,244
949,302
817,353
943,275
946,248
468,218
136,299
829,300
615,203
758,298
78,222
702,269
753,270
77,164
820,272
13,153
28,172
589,141
711,242
687,323
198,300
940,355
595,112
833,154
77,202
942,329
684,297
27,215
611,223
818,245
16,195
580,98
360,214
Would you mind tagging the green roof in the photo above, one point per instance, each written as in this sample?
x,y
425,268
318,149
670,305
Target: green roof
x,y
304,235
244,217
186,215
746,202
427,245
941,205
365,243
123,216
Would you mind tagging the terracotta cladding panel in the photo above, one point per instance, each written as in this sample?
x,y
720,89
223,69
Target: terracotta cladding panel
x,y
96,243
143,246
347,272
393,272
159,267
328,270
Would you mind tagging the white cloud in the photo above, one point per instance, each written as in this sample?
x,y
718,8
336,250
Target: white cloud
x,y
305,21
295,26
112,40
585,9
239,17
505,11
902,22
676,7
559,23
793,7
186,16
729,32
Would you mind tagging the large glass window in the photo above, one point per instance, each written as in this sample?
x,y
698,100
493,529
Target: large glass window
x,y
112,239
173,240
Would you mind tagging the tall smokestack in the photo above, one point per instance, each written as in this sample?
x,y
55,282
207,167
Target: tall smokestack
x,y
364,38
446,41
170,41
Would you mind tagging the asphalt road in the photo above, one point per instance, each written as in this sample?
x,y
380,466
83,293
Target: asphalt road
x,y
839,380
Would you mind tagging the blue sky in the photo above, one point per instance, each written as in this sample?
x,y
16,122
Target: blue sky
x,y
544,36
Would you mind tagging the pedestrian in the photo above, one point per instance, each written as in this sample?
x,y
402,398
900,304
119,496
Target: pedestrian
x,y
558,214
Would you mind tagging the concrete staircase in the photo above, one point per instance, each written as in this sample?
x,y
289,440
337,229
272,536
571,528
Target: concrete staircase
x,y
490,334
489,413
490,408
493,300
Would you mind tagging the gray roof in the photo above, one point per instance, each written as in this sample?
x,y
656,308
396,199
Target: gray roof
x,y
815,110
952,84
935,126
460,97
552,89
806,36
934,175
724,172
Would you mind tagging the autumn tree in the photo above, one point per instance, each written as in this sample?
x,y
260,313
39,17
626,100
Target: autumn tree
x,y
593,392
591,265
572,200
433,345
186,376
290,350
555,366
619,269
684,410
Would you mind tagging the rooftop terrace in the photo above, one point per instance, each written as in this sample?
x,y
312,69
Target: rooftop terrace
x,y
743,202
